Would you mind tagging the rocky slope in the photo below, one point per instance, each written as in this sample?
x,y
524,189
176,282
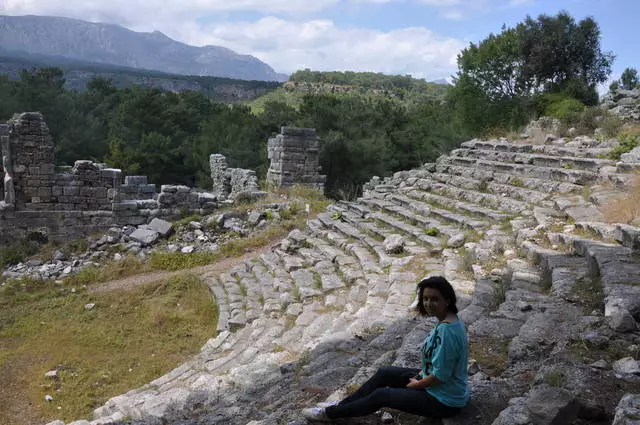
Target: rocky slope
x,y
115,45
549,291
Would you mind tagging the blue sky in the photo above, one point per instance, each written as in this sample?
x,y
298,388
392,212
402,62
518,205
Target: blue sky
x,y
417,37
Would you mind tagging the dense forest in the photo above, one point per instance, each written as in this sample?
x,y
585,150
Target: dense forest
x,y
501,83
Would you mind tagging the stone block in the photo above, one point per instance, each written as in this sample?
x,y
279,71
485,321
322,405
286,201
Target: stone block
x,y
163,227
135,180
145,236
71,190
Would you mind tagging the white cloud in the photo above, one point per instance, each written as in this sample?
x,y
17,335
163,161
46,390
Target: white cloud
x,y
321,45
287,44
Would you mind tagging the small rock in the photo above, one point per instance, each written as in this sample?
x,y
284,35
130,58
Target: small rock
x,y
627,366
480,376
59,256
117,257
595,340
48,397
387,418
510,254
456,241
173,248
89,306
600,364
73,290
67,270
51,374
394,244
294,309
473,367
187,249
194,225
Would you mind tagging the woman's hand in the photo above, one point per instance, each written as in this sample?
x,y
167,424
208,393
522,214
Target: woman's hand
x,y
415,384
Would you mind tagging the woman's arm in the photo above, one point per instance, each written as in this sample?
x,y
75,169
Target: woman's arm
x,y
429,381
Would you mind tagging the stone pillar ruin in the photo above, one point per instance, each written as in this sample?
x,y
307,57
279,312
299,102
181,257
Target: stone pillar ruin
x,y
7,166
294,156
218,168
31,147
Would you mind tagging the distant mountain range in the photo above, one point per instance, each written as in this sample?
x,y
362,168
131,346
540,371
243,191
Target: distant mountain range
x,y
115,45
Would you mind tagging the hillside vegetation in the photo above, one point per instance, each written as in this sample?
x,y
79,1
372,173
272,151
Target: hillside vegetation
x,y
371,124
78,74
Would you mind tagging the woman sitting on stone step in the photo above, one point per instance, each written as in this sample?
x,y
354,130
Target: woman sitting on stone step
x,y
439,389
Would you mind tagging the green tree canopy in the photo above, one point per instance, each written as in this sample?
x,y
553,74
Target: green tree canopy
x,y
629,79
499,78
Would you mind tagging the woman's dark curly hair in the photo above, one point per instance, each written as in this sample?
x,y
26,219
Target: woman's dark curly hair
x,y
442,285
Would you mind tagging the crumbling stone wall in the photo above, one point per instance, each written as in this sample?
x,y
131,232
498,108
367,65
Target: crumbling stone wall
x,y
294,156
89,198
136,187
228,183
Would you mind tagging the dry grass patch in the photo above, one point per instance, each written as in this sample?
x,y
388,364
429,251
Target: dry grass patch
x,y
128,339
492,354
626,207
111,270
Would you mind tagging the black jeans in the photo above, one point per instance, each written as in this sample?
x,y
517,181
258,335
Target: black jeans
x,y
388,388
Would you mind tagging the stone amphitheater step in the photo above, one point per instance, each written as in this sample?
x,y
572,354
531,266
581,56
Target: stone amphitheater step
x,y
538,160
578,208
417,212
446,203
409,230
481,198
363,245
576,177
220,295
373,223
499,176
551,150
503,190
618,268
416,204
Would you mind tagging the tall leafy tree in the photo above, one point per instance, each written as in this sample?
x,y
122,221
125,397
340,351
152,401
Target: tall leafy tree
x,y
499,79
629,79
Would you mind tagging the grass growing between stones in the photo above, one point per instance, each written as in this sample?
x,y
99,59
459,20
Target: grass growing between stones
x,y
126,340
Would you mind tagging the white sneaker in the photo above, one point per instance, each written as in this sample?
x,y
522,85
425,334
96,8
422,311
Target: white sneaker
x,y
325,404
316,414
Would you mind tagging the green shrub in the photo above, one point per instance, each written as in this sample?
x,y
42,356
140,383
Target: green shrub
x,y
628,141
432,231
559,105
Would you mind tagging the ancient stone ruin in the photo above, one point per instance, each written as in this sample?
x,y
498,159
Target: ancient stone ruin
x,y
294,156
91,197
229,183
87,199
623,103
